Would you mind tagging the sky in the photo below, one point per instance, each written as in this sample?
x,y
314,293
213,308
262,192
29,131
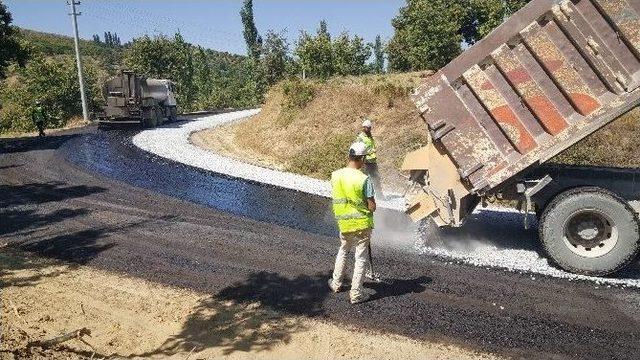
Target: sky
x,y
214,24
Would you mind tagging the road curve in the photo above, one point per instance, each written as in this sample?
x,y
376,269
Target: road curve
x,y
92,198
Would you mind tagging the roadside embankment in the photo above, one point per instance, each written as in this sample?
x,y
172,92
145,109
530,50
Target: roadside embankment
x,y
305,126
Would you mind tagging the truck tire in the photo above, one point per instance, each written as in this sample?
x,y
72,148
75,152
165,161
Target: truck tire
x,y
171,113
150,120
590,231
159,117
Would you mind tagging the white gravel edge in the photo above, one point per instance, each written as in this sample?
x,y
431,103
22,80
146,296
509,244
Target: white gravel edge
x,y
172,142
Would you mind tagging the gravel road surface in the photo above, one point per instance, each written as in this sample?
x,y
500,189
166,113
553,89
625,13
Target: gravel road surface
x,y
91,197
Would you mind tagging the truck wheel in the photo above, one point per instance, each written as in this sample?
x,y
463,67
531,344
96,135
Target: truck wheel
x,y
171,113
150,121
590,231
158,115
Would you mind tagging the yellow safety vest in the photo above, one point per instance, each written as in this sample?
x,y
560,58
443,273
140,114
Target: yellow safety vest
x,y
349,204
371,147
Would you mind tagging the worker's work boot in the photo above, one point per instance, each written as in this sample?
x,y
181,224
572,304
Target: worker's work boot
x,y
360,298
335,288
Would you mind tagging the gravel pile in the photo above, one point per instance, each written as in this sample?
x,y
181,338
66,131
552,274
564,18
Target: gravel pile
x,y
172,142
506,245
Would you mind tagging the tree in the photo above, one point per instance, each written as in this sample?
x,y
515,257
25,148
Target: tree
x,y
378,53
53,81
250,32
485,15
315,53
275,57
427,34
10,48
96,39
182,71
350,55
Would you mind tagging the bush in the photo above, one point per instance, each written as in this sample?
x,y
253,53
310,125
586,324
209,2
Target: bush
x,y
54,82
321,161
391,91
297,94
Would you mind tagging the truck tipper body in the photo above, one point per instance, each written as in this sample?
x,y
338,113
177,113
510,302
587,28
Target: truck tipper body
x,y
552,74
133,98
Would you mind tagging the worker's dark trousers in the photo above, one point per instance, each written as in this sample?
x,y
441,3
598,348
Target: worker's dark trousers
x,y
40,127
371,169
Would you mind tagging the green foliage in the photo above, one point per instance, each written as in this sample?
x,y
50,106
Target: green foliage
x,y
54,82
297,94
110,40
44,44
322,160
321,57
350,55
250,32
275,57
378,54
427,34
205,79
10,48
485,15
315,53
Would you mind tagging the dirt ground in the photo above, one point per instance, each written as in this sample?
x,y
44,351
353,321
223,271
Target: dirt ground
x,y
43,299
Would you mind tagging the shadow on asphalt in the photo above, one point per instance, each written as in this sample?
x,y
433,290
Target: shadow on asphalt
x,y
398,287
24,144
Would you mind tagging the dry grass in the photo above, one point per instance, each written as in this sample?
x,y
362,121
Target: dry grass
x,y
307,127
310,134
614,145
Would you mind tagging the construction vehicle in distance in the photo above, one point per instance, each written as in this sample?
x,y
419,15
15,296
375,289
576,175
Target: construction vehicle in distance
x,y
134,99
552,74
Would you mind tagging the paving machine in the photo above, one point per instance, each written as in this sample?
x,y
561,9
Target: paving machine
x,y
135,99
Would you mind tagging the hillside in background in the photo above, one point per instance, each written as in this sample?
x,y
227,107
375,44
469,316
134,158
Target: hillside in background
x,y
306,127
48,44
206,79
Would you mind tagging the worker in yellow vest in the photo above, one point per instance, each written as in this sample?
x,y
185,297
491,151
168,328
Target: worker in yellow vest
x,y
371,160
353,207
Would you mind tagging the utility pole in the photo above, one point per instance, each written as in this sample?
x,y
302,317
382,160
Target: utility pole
x,y
74,14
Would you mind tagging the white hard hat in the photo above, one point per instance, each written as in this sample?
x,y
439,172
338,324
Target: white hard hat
x,y
367,123
358,149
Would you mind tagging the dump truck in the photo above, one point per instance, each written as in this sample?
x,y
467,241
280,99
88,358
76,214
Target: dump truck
x,y
135,99
549,76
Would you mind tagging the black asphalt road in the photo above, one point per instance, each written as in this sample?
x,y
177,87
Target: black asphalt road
x,y
90,198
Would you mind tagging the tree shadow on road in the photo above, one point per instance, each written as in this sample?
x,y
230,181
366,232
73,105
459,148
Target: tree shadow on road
x,y
248,316
30,143
41,193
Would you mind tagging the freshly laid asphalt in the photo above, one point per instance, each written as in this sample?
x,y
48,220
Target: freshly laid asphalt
x,y
90,197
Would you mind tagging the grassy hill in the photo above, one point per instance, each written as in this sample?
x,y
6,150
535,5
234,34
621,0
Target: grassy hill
x,y
305,127
48,44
